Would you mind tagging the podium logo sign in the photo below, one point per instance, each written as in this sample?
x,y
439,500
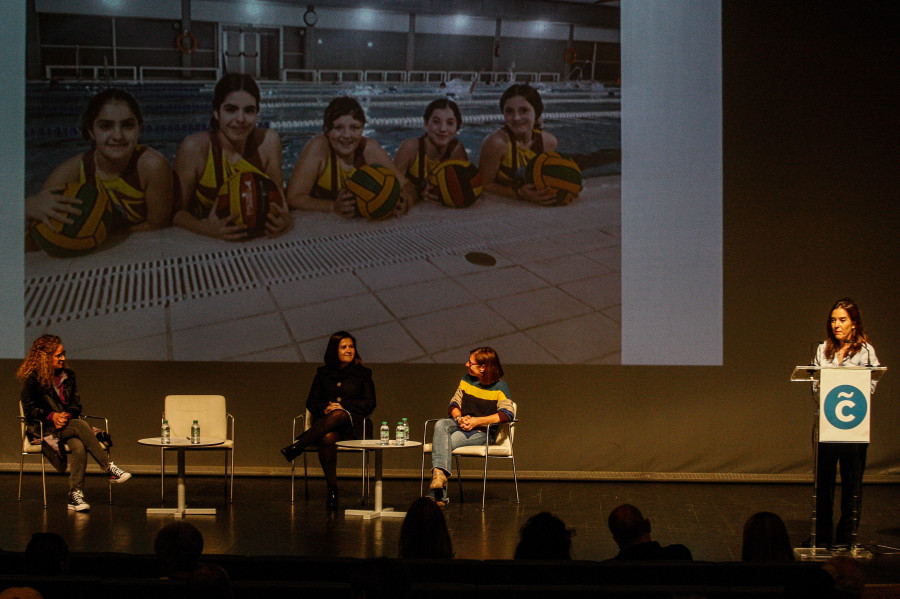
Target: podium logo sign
x,y
845,407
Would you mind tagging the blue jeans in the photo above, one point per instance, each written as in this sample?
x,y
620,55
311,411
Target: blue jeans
x,y
447,437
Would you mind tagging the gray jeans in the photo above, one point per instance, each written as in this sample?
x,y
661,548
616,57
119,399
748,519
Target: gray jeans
x,y
79,437
447,437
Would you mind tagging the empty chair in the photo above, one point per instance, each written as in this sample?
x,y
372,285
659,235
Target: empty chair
x,y
210,413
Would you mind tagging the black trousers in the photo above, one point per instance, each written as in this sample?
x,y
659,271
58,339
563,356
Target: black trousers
x,y
852,460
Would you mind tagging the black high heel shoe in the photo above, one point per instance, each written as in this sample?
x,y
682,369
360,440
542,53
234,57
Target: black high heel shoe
x,y
292,451
331,501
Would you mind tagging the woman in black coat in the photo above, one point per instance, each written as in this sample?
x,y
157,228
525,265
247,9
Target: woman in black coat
x,y
340,399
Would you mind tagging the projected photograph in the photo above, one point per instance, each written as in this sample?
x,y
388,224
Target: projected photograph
x,y
174,248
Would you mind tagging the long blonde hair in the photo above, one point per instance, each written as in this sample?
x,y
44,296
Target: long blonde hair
x,y
38,359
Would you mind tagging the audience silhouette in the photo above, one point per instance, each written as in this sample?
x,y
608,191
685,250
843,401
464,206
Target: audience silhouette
x,y
544,536
631,532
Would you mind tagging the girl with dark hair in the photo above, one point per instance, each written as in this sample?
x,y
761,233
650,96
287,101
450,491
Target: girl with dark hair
x,y
340,399
846,345
507,150
137,179
482,398
417,157
318,179
52,406
233,145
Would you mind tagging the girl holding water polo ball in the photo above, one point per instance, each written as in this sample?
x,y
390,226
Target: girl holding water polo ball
x,y
137,179
507,150
207,161
319,178
417,157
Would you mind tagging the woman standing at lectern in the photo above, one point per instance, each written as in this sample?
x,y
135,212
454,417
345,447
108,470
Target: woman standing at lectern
x,y
846,345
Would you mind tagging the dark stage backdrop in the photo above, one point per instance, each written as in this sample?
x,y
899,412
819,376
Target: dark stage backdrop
x,y
810,158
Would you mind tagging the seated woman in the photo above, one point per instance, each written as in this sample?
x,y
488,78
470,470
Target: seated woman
x,y
137,179
482,398
340,399
51,405
507,150
232,145
417,157
318,180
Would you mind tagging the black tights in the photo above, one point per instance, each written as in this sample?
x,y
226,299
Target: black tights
x,y
324,434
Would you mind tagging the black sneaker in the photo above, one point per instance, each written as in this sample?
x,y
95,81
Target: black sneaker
x,y
77,502
116,474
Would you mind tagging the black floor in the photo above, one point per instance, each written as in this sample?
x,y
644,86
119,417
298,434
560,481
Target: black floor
x,y
707,517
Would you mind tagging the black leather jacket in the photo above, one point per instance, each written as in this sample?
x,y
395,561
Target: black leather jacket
x,y
38,402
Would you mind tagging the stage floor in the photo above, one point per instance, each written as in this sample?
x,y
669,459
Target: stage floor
x,y
707,517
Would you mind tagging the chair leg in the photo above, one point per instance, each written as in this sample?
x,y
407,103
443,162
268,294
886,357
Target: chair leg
x,y
515,478
305,477
459,480
44,481
422,479
484,483
229,496
292,480
21,469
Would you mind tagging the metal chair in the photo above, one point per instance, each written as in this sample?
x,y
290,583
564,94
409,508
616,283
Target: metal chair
x,y
302,422
209,411
502,448
32,448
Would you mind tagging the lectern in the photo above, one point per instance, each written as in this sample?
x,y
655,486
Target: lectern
x,y
843,415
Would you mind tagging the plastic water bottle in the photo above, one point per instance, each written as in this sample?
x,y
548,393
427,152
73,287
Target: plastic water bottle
x,y
165,433
405,431
195,433
385,433
399,434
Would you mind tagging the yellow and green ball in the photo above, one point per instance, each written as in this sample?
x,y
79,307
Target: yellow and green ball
x,y
87,231
556,171
376,189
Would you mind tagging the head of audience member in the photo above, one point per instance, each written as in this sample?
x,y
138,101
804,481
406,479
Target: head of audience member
x,y
209,581
628,526
47,554
20,593
380,578
227,85
849,582
766,539
424,532
337,353
178,547
544,536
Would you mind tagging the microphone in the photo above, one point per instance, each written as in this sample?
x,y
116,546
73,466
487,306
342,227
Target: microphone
x,y
868,355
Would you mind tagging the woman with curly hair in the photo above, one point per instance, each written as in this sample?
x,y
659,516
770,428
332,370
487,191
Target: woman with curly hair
x,y
52,407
